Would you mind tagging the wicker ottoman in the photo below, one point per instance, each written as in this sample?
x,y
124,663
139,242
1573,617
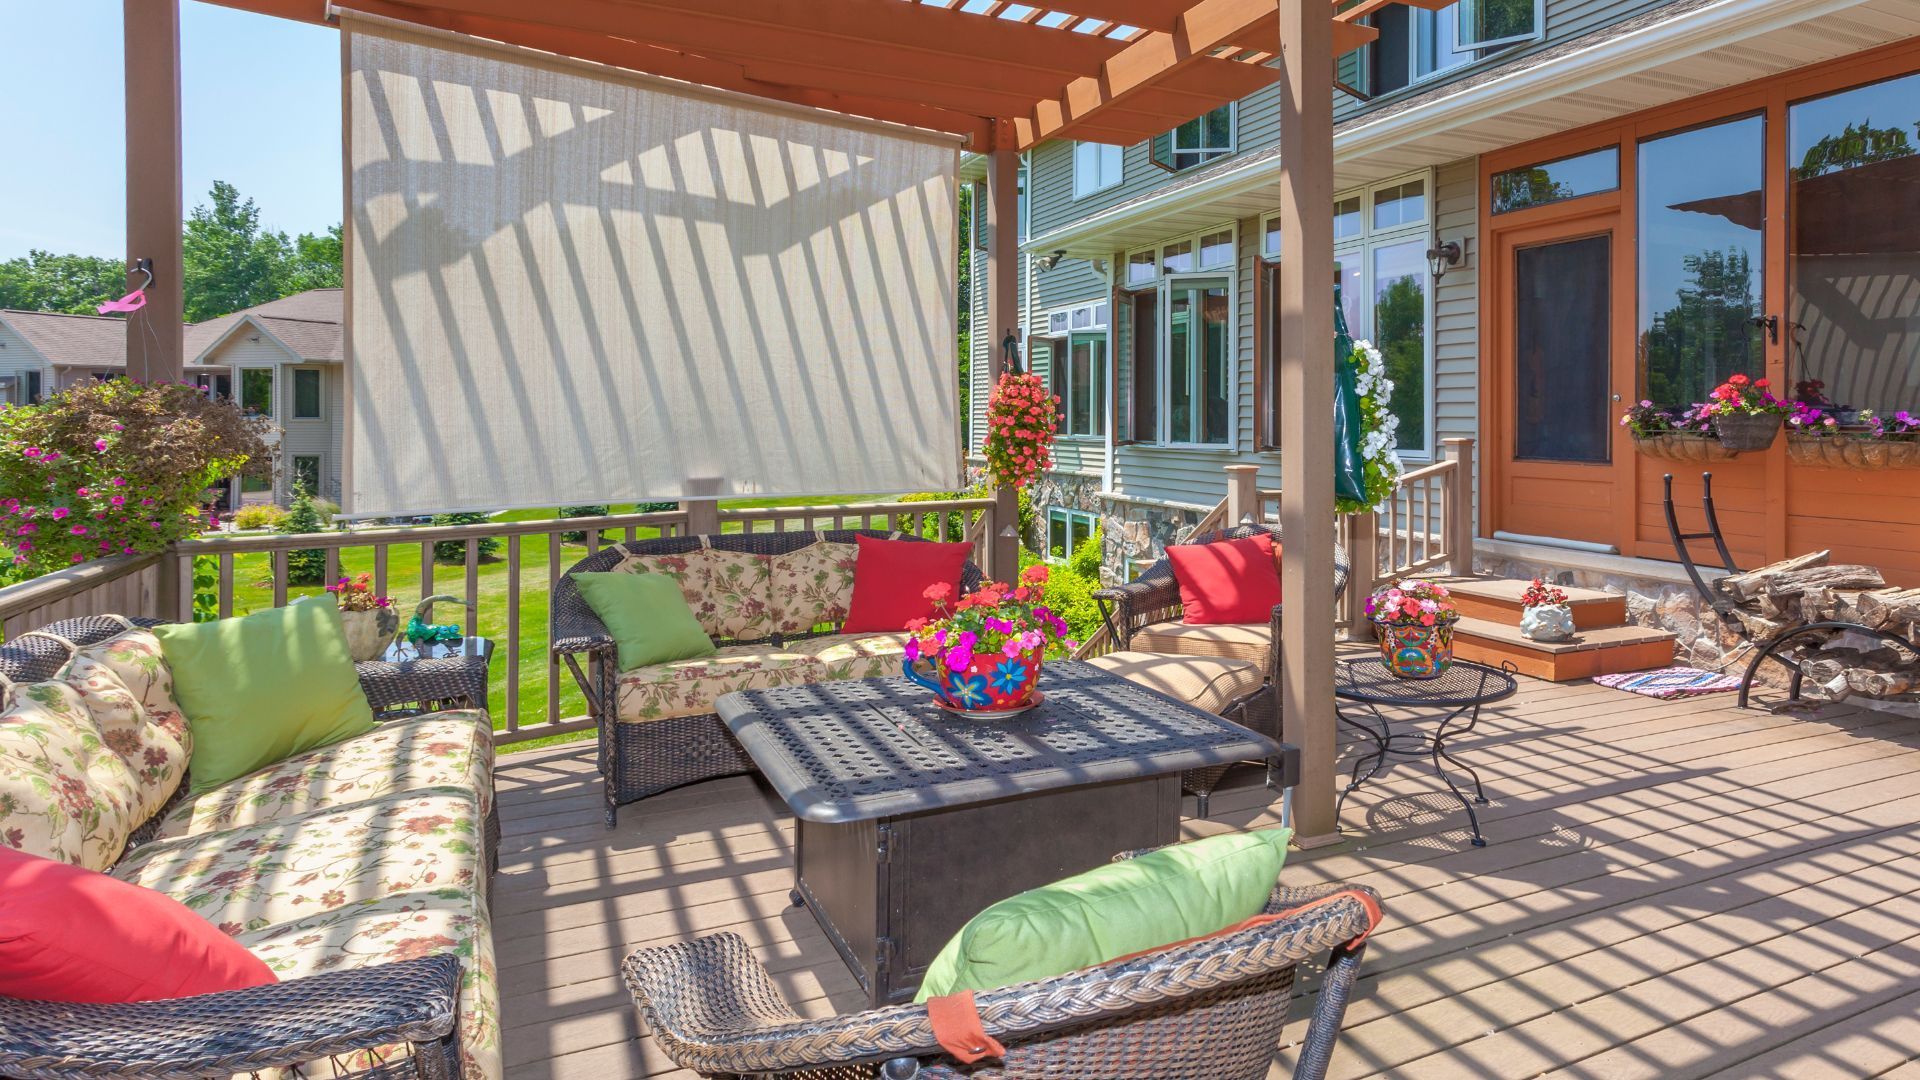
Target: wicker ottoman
x,y
1234,689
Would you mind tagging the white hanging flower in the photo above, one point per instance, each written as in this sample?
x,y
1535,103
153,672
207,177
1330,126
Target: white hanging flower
x,y
1379,442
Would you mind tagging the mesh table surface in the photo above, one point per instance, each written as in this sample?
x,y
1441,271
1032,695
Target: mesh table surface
x,y
855,750
1464,683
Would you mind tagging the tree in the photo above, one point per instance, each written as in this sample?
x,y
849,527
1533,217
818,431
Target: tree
x,y
1400,333
1708,334
70,284
230,263
455,551
308,566
312,262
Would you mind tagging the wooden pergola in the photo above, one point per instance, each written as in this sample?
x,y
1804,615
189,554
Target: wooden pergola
x,y
1004,75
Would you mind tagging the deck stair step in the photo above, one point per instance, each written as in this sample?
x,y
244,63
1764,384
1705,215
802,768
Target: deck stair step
x,y
1607,650
1498,600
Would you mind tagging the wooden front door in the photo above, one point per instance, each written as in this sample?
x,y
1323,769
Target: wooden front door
x,y
1564,469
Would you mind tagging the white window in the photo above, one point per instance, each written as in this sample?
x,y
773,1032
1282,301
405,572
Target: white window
x,y
1096,167
1068,530
1482,24
1143,268
306,393
1177,371
1077,368
1201,139
1416,44
1381,237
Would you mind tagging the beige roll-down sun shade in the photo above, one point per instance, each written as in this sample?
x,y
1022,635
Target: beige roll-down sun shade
x,y
577,285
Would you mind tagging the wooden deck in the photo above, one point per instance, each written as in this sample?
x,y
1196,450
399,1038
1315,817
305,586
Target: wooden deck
x,y
1670,889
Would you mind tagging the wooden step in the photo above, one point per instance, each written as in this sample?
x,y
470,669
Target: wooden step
x,y
1498,600
1604,651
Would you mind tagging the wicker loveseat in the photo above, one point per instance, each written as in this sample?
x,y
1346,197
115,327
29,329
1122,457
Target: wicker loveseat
x,y
356,872
1145,614
773,602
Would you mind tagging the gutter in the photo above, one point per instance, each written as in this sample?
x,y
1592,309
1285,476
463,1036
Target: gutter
x,y
1721,24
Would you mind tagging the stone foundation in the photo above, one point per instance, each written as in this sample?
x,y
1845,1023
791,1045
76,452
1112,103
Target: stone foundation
x,y
1129,531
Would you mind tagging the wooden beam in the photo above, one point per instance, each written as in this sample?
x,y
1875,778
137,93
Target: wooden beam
x,y
1003,318
1304,387
151,29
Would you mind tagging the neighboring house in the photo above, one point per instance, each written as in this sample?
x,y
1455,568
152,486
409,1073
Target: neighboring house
x,y
280,359
1647,197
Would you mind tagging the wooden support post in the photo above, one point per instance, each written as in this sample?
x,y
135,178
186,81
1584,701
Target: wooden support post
x,y
1243,494
1003,543
1003,253
154,197
1363,538
1459,512
703,514
1305,390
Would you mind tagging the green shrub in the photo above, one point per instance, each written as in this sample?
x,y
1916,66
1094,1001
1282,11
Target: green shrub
x,y
1070,587
307,566
327,509
260,516
455,551
579,536
946,526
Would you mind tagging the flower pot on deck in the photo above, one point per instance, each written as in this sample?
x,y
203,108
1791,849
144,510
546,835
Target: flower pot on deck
x,y
369,632
1413,651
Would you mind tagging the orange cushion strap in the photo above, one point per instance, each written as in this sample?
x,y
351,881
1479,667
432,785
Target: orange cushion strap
x,y
1366,899
957,1028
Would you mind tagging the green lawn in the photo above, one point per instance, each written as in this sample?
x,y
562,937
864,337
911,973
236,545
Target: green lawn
x,y
253,591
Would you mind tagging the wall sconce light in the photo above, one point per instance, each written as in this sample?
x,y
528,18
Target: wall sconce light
x,y
1050,260
1442,257
1011,345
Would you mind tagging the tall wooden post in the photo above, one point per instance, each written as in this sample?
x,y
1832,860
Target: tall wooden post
x,y
1305,389
1459,523
1003,318
154,197
1243,494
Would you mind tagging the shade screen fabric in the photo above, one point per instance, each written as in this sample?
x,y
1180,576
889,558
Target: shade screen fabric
x,y
572,285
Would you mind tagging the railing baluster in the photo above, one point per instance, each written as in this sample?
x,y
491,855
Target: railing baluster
x,y
553,665
226,585
380,569
332,573
511,704
279,562
473,585
426,570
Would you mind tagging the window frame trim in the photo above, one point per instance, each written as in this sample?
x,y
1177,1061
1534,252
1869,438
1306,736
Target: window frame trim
x,y
1459,48
1103,330
1067,514
1365,64
319,471
293,393
1119,178
1219,154
273,388
1229,274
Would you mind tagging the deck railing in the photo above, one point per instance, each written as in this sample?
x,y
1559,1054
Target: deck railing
x,y
506,589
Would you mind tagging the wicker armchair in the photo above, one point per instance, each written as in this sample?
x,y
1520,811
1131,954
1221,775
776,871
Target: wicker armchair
x,y
314,1019
1214,1008
1154,596
643,759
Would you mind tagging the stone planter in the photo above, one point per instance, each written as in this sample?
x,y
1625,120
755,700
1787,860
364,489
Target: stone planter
x,y
1687,446
1547,622
1741,432
1841,452
370,632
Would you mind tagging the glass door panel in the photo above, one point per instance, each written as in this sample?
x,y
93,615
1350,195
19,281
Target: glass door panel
x,y
1853,181
1400,333
1199,359
1562,350
1701,206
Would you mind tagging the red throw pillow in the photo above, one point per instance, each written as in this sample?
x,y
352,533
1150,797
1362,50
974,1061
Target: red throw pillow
x,y
1228,581
890,578
70,934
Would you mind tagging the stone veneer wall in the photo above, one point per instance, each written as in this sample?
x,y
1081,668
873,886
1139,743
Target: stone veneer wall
x,y
1128,530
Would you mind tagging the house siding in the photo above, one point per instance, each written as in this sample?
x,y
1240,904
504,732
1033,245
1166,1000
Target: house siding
x,y
17,358
324,436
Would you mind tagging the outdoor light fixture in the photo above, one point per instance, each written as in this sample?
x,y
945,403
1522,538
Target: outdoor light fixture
x,y
1442,257
1050,260
1011,345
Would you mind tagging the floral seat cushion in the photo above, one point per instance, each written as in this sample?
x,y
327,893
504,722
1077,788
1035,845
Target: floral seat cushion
x,y
65,792
730,592
375,881
855,656
812,586
690,687
440,750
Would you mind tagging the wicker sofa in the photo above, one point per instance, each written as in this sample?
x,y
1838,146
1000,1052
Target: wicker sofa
x,y
357,872
773,602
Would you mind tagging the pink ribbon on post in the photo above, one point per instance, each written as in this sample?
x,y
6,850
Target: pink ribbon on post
x,y
133,301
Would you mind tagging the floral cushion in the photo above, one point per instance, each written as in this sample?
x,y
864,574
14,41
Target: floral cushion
x,y
439,750
812,586
65,794
155,743
730,592
856,656
381,880
135,657
690,687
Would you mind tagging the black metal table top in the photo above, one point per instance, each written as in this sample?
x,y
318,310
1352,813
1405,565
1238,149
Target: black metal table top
x,y
859,749
1463,683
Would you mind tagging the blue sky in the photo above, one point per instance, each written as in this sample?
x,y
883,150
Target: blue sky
x,y
261,98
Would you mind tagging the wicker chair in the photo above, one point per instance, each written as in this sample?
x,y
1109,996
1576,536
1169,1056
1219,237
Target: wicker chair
x,y
1154,596
315,1019
1212,1009
639,760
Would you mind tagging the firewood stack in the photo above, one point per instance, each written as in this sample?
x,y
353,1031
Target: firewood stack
x,y
1836,664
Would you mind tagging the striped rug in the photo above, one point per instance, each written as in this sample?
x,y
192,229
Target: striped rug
x,y
1671,682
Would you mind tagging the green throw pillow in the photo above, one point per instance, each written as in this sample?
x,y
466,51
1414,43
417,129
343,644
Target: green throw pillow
x,y
1173,894
648,617
260,689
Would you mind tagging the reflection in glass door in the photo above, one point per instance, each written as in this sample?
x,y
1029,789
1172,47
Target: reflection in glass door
x,y
1562,350
1198,361
1701,207
1854,254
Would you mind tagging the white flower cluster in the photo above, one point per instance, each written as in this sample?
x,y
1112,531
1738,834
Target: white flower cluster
x,y
1381,440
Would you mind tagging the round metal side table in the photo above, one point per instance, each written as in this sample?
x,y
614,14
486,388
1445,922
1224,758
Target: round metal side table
x,y
1454,697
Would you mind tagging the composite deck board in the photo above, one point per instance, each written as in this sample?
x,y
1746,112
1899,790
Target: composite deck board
x,y
1670,889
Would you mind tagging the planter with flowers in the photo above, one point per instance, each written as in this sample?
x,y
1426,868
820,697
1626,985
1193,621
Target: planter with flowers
x,y
1743,413
1657,433
1379,433
983,654
1022,417
1414,622
1545,614
369,619
1818,435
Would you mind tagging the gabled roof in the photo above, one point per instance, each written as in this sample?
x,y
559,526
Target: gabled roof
x,y
307,324
71,339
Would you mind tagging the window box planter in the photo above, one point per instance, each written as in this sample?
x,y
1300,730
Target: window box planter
x,y
1740,432
1841,452
1687,446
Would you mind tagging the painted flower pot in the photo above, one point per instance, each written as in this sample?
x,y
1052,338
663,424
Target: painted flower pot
x,y
1747,431
991,683
1413,651
369,632
1547,622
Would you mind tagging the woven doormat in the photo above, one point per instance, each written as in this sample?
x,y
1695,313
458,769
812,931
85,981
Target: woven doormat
x,y
1670,682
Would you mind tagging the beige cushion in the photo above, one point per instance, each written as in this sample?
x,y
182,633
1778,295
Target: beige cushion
x,y
690,687
855,656
1251,642
811,586
1205,682
730,592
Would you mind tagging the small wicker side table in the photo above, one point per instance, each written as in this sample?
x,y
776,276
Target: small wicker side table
x,y
409,680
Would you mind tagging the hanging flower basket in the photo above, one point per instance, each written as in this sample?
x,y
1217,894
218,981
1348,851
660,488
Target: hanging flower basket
x,y
1688,446
1740,432
1841,452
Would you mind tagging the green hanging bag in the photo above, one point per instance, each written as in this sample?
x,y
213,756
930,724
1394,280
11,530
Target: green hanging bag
x,y
1349,466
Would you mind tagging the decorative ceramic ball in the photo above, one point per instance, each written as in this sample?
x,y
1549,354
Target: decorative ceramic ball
x,y
1547,622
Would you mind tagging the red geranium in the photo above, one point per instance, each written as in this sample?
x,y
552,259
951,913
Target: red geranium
x,y
1021,420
